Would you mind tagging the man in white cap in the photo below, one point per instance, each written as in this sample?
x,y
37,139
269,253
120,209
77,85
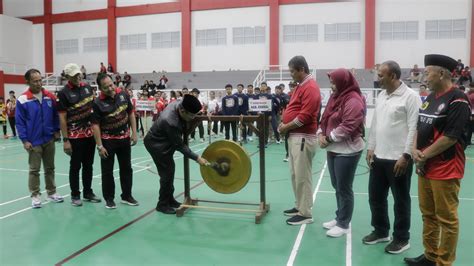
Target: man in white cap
x,y
75,109
440,161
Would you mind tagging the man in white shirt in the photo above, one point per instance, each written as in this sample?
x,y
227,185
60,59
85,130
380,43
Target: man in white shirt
x,y
388,155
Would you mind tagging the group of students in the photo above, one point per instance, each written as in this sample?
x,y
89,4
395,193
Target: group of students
x,y
7,114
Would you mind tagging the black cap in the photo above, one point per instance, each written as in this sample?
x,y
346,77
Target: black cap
x,y
195,90
440,60
191,104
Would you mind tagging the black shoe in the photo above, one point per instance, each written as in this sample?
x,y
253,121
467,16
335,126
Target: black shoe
x,y
110,204
92,198
419,261
298,219
397,246
130,201
374,238
166,209
175,204
291,212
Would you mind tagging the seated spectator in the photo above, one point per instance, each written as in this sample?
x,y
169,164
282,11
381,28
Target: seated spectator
x,y
102,68
465,76
415,74
110,69
163,81
127,79
144,86
84,72
424,92
457,71
118,80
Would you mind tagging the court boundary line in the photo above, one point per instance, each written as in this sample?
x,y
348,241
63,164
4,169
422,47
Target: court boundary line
x,y
366,194
349,246
299,237
91,245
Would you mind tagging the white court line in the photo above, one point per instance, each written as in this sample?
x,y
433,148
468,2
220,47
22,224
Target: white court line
x,y
143,169
23,170
46,202
349,247
366,194
299,237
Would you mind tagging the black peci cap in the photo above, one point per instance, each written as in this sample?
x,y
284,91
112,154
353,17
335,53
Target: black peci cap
x,y
440,60
191,104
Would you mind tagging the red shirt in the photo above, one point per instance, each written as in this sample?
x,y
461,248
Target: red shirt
x,y
304,107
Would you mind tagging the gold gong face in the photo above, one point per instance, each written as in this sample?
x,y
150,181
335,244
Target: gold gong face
x,y
234,162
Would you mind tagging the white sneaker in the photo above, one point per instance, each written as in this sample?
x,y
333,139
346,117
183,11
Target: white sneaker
x,y
336,231
330,224
278,142
36,202
202,140
56,198
250,139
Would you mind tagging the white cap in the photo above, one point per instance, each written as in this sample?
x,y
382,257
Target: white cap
x,y
72,69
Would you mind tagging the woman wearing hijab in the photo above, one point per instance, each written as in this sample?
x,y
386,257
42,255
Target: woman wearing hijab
x,y
341,132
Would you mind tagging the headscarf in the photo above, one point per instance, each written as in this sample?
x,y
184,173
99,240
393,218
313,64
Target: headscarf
x,y
346,88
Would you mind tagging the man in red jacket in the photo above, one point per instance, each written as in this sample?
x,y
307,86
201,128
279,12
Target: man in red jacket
x,y
300,122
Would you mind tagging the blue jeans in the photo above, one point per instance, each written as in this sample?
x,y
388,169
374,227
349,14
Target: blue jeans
x,y
342,169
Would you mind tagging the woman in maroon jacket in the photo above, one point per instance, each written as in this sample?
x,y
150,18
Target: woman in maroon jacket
x,y
341,131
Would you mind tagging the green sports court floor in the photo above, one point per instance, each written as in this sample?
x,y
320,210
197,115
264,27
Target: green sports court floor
x,y
94,235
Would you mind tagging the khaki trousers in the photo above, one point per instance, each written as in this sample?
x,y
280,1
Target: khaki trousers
x,y
301,153
439,202
44,153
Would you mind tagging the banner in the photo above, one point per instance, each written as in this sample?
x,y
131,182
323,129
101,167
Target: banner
x,y
260,105
144,105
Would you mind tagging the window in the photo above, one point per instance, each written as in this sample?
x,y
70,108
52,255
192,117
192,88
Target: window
x,y
342,32
399,30
165,40
300,33
211,37
95,44
133,42
446,29
67,46
248,35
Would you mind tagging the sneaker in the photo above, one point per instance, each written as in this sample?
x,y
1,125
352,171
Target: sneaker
x,y
330,224
420,260
298,219
110,204
291,212
397,246
374,238
285,160
36,202
56,198
92,198
250,139
130,201
278,142
202,140
166,209
76,201
336,231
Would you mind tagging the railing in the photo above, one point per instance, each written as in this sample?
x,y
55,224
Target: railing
x,y
51,79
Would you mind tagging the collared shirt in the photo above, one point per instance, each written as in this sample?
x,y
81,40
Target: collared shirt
x,y
112,115
393,126
76,102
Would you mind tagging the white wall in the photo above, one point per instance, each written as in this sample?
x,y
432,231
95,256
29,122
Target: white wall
x,y
243,57
63,6
38,47
324,54
141,2
410,52
17,88
141,61
16,49
79,30
23,8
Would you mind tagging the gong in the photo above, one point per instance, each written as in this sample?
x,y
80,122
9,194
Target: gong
x,y
229,167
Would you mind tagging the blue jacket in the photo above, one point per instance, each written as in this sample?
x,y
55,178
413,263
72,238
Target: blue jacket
x,y
243,103
36,122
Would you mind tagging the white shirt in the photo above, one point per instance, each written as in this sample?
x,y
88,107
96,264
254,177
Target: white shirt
x,y
393,126
212,106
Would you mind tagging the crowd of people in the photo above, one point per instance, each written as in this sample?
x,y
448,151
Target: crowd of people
x,y
425,132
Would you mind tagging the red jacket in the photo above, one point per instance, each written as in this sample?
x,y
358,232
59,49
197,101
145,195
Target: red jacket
x,y
304,107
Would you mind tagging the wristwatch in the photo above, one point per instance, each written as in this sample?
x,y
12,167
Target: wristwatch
x,y
406,156
99,147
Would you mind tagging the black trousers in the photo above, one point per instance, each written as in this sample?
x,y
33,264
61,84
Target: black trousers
x,y
227,126
11,121
123,150
200,127
166,168
83,151
381,180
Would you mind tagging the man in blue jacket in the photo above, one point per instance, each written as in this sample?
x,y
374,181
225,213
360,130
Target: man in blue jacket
x,y
37,122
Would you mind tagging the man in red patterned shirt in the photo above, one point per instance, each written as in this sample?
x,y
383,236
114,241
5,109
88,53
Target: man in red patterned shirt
x,y
300,122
